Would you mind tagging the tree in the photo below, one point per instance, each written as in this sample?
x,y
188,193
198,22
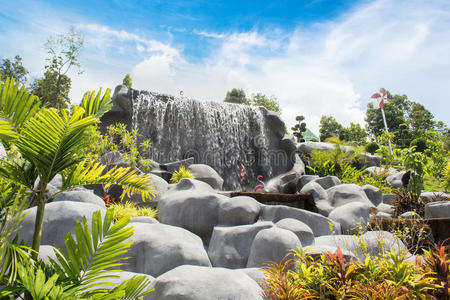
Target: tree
x,y
356,134
236,96
299,128
269,103
14,69
127,81
50,142
329,127
64,50
420,118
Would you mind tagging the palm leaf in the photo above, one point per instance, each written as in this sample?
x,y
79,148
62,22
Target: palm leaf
x,y
93,256
96,105
7,131
16,104
51,141
87,172
134,288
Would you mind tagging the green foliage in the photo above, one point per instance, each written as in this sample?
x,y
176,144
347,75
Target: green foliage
x,y
437,259
13,69
129,209
54,87
419,144
181,173
329,127
446,178
236,96
127,81
270,103
355,134
299,128
415,163
372,147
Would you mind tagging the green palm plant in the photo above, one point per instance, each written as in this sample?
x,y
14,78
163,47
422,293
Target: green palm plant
x,y
50,142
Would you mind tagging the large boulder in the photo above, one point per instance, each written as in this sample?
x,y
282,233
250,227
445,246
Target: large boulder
x,y
439,209
2,151
206,174
347,193
305,179
386,208
158,186
301,230
46,252
327,181
143,219
375,170
80,196
186,184
319,224
121,277
389,198
434,196
158,248
287,183
230,246
59,219
272,245
320,197
373,193
354,217
364,160
306,148
395,180
202,283
239,210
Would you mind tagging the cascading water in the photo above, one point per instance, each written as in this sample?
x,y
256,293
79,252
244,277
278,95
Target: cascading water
x,y
216,134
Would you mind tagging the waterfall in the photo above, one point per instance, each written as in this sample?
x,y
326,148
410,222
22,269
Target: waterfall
x,y
216,134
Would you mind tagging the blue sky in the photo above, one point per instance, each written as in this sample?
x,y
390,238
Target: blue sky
x,y
318,57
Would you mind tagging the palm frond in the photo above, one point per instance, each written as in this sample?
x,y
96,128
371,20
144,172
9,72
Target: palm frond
x,y
7,131
16,104
51,141
96,105
87,172
19,172
96,252
134,288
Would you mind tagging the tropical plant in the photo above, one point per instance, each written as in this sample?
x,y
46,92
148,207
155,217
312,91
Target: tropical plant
x,y
50,142
415,163
181,173
127,81
438,261
446,178
299,128
372,147
129,209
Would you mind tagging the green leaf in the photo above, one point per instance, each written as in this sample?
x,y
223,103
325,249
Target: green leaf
x,y
96,105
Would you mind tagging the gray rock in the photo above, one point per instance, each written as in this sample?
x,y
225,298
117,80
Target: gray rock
x,y
305,179
158,248
202,283
122,276
382,214
307,147
320,197
257,274
158,186
376,243
206,174
410,215
287,183
316,251
193,210
364,160
389,198
346,193
80,196
2,151
354,217
143,219
122,98
319,224
240,210
327,182
230,246
301,230
46,252
395,180
113,158
271,245
59,219
386,208
57,181
175,165
434,196
186,184
439,209
375,170
373,193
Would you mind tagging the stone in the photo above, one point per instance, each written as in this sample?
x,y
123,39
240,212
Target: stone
x,y
301,230
364,160
206,174
46,252
354,217
439,209
123,276
272,245
143,219
122,98
373,193
305,179
287,183
320,197
59,219
202,283
257,274
385,208
80,196
410,215
389,198
306,148
158,187
230,246
57,181
346,193
383,215
193,210
175,165
434,196
316,251
327,181
395,180
319,224
2,151
186,184
375,170
113,158
239,210
158,248
376,243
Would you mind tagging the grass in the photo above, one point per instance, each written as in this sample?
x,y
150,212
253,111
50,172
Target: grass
x,y
129,209
433,184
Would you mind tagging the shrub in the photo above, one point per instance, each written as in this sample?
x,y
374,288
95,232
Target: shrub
x,y
180,174
420,143
129,209
372,147
446,177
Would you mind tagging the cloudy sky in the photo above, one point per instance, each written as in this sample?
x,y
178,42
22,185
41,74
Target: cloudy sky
x,y
318,57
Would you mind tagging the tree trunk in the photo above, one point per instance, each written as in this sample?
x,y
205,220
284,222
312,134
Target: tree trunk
x,y
38,221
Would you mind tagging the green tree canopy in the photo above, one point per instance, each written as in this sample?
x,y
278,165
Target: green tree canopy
x,y
271,103
48,90
329,127
299,128
127,81
356,134
236,96
13,69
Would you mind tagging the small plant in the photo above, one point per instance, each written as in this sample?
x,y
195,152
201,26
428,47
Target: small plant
x,y
129,209
372,147
181,173
446,178
438,260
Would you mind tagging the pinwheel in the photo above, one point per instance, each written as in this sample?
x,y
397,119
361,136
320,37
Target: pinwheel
x,y
382,95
